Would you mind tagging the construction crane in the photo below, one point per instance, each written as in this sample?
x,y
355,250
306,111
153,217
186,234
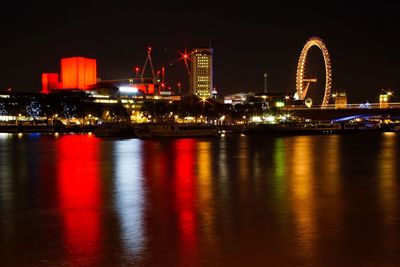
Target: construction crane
x,y
148,61
157,78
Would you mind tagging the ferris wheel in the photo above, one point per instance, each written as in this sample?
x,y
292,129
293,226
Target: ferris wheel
x,y
302,83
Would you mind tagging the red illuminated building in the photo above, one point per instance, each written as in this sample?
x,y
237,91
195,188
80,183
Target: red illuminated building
x,y
76,73
145,88
49,82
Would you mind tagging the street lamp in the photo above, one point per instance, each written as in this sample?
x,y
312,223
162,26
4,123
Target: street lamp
x,y
203,100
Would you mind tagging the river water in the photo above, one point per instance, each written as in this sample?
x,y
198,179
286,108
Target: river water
x,y
77,200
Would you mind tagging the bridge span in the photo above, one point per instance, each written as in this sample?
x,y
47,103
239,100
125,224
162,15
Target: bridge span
x,y
331,113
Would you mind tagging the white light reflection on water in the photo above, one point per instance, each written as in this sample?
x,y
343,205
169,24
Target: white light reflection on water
x,y
130,194
5,135
223,169
6,197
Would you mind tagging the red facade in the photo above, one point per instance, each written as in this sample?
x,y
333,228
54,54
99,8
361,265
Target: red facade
x,y
145,88
49,82
78,73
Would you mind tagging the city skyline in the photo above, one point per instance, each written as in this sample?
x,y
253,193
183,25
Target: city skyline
x,y
362,43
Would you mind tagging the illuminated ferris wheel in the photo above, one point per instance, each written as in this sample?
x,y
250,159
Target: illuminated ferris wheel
x,y
302,83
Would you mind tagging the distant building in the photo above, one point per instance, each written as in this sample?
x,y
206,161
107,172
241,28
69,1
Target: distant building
x,y
239,98
50,82
268,99
202,72
384,100
340,100
253,98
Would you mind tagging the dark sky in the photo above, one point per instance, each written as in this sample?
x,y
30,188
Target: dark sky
x,y
248,40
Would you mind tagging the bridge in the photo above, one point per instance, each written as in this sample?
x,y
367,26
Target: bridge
x,y
329,112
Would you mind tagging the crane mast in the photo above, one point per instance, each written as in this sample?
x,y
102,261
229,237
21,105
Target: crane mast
x,y
308,82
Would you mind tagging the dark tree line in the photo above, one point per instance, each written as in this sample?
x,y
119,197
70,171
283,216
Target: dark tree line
x,y
81,106
196,107
65,105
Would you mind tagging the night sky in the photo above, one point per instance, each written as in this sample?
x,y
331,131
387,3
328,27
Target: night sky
x,y
248,40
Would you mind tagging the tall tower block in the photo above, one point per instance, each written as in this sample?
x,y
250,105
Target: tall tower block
x,y
202,72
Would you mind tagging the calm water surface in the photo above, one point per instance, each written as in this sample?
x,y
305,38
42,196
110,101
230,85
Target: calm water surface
x,y
76,200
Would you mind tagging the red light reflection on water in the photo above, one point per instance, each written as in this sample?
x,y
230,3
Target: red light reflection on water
x,y
79,193
185,197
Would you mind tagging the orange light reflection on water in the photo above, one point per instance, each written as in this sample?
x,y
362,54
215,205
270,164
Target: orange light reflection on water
x,y
330,162
388,188
279,184
205,191
302,194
